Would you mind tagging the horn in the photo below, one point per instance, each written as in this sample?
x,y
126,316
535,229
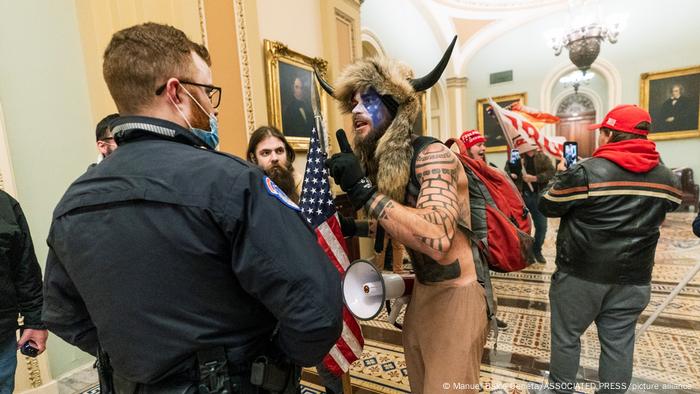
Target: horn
x,y
325,85
423,83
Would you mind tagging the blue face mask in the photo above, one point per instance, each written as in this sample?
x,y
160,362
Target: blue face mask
x,y
211,137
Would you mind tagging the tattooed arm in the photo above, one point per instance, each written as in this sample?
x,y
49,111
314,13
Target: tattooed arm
x,y
430,227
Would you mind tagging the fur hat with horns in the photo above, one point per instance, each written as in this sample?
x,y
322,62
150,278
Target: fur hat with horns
x,y
394,83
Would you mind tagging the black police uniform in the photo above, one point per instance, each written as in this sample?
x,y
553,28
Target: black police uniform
x,y
167,248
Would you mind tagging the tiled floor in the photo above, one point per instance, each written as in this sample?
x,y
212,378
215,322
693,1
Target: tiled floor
x,y
667,356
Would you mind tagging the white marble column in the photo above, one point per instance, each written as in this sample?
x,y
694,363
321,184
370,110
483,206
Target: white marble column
x,y
457,102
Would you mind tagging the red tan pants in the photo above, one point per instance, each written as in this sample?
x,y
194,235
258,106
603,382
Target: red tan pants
x,y
444,334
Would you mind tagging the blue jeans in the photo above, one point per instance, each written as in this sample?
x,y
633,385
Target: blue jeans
x,y
538,219
8,362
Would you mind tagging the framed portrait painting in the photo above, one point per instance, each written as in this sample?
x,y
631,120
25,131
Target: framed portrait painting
x,y
293,94
673,101
495,138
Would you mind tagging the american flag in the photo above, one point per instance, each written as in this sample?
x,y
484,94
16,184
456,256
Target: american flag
x,y
319,210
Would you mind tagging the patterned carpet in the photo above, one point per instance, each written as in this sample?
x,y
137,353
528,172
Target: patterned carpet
x,y
667,357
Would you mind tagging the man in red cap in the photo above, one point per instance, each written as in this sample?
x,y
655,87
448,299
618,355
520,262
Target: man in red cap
x,y
611,207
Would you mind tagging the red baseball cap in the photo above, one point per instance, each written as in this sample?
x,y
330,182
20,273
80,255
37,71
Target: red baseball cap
x,y
471,137
625,118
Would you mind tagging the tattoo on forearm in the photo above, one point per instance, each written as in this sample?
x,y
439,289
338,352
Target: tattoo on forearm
x,y
378,210
437,173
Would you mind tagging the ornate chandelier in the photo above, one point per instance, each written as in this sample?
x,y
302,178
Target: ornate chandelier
x,y
576,79
583,38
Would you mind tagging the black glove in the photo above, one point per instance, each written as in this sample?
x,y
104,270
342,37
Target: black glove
x,y
346,171
347,226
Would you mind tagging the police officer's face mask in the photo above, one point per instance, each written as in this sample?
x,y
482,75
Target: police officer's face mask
x,y
211,136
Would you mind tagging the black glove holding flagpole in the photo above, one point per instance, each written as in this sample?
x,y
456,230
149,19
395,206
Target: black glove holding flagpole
x,y
347,173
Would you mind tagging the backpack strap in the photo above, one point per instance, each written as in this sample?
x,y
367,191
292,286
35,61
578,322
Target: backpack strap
x,y
419,143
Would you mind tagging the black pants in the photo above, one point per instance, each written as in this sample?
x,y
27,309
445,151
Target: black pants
x,y
539,220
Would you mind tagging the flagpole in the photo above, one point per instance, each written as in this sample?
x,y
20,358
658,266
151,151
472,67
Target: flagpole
x,y
318,120
508,140
324,145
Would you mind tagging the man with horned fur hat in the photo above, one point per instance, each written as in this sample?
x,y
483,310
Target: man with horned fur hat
x,y
445,327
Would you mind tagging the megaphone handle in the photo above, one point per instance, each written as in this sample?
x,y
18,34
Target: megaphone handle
x,y
396,308
379,239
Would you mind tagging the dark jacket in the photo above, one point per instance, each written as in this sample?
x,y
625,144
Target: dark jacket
x,y
696,225
610,219
20,275
543,170
166,248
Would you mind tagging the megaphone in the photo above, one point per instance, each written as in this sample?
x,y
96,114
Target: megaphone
x,y
365,290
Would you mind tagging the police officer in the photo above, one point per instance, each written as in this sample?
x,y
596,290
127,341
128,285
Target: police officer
x,y
186,267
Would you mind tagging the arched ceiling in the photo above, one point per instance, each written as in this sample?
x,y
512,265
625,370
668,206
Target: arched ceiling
x,y
476,22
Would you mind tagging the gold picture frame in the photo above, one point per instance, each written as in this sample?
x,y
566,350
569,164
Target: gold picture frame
x,y
495,139
283,67
672,119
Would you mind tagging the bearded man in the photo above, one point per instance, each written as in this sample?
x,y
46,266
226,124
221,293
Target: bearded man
x,y
269,149
421,200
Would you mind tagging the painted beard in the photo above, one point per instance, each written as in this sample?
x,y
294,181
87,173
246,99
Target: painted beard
x,y
284,178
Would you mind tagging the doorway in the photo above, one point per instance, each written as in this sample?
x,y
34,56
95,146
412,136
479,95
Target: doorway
x,y
576,113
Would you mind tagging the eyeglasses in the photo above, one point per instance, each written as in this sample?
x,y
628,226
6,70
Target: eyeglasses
x,y
213,92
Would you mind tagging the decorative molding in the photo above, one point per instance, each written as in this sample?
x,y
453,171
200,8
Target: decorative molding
x,y
372,39
457,82
575,102
497,5
350,21
246,82
602,67
588,93
203,22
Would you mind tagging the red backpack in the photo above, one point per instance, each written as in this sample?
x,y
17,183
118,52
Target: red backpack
x,y
507,245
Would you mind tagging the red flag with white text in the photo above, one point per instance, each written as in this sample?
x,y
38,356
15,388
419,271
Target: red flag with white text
x,y
520,131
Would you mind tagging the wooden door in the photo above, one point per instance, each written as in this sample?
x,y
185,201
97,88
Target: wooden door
x,y
577,112
575,128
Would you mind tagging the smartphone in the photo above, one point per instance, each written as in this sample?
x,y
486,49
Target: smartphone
x,y
27,349
514,155
514,162
570,153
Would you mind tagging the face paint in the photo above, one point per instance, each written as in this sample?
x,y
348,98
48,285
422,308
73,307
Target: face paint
x,y
369,114
374,106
